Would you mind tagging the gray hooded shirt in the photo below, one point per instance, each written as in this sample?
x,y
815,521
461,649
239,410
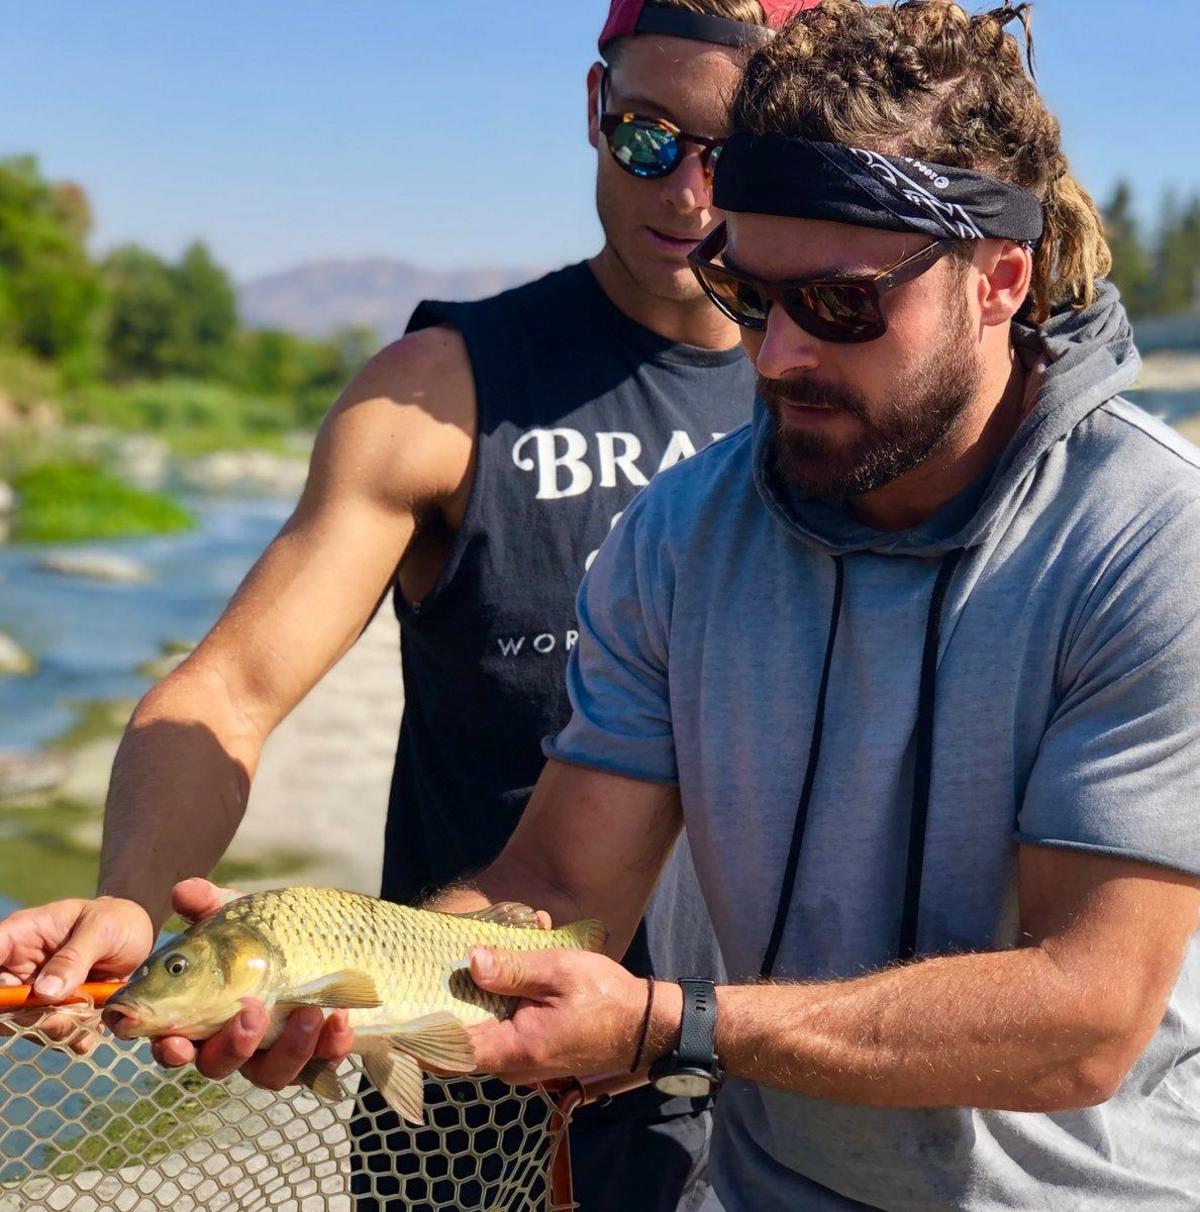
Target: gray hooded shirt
x,y
1066,714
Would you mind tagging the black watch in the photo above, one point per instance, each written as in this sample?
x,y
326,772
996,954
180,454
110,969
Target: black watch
x,y
692,1070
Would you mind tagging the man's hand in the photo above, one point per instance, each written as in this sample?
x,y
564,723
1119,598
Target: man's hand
x,y
307,1034
235,1046
579,1015
65,942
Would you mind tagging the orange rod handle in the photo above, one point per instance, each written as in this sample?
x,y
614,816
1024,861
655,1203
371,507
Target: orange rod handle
x,y
17,997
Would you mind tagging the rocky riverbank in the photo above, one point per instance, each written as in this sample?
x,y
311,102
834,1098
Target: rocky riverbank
x,y
319,798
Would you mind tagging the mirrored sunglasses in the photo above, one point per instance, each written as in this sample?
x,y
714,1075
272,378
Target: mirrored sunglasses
x,y
654,147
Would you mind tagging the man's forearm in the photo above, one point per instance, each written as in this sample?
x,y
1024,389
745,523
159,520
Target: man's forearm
x,y
177,794
505,882
1003,1030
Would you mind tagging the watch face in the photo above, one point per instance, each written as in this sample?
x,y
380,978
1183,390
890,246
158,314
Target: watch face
x,y
692,1084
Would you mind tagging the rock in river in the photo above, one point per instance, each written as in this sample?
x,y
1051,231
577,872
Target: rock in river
x,y
14,660
24,774
94,563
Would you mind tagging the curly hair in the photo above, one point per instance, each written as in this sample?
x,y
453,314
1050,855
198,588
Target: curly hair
x,y
924,78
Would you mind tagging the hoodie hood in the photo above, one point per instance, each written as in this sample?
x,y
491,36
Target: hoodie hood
x,y
1086,357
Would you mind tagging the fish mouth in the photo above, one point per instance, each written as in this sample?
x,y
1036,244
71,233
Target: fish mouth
x,y
123,1019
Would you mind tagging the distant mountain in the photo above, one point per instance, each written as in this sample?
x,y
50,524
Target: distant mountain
x,y
316,300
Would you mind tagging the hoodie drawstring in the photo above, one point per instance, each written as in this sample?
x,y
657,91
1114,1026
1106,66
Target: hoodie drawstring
x,y
923,765
810,776
922,769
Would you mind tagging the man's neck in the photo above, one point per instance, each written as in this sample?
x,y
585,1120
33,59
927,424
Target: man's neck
x,y
985,428
693,321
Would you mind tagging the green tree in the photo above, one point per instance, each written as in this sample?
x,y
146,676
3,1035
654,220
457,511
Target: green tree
x,y
49,290
205,315
142,320
274,362
1175,282
1131,264
169,319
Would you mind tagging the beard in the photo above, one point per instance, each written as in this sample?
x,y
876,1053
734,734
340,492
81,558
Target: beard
x,y
926,404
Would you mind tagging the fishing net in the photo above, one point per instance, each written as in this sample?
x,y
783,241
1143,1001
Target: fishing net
x,y
114,1130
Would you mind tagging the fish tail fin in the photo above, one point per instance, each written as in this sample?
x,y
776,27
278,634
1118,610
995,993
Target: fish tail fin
x,y
588,934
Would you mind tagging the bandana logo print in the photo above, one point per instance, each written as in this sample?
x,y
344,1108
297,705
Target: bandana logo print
x,y
939,181
950,215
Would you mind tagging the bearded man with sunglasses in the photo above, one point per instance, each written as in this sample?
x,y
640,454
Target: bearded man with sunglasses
x,y
473,468
914,659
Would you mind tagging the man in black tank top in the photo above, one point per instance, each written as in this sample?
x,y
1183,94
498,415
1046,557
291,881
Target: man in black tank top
x,y
474,467
586,384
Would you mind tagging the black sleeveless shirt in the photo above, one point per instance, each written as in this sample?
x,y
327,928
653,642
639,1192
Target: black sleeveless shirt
x,y
578,406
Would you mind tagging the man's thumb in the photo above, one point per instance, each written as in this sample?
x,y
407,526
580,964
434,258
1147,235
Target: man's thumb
x,y
514,973
197,898
87,945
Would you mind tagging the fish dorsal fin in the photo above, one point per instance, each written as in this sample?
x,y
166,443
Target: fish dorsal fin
x,y
588,933
397,1078
320,1076
348,989
438,1041
505,913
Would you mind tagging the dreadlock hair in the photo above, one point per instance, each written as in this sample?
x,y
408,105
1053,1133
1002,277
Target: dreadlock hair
x,y
923,78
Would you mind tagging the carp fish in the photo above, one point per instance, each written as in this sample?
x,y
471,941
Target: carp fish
x,y
401,973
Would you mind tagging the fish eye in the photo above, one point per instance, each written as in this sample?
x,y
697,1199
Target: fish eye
x,y
176,965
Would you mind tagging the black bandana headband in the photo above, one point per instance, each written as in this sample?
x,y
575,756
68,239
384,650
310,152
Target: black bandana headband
x,y
800,179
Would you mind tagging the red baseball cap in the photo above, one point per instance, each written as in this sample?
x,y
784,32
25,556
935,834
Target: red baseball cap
x,y
627,17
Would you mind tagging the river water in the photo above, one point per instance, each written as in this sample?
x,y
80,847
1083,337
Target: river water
x,y
89,637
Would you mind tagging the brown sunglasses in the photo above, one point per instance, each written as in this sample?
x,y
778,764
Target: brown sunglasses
x,y
845,310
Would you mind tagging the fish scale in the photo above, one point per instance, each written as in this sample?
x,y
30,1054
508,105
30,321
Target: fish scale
x,y
411,954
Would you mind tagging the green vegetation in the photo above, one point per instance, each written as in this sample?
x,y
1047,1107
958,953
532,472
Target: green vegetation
x,y
96,720
49,289
1159,273
71,502
192,416
135,342
42,857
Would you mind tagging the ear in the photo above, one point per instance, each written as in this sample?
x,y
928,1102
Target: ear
x,y
594,76
1006,273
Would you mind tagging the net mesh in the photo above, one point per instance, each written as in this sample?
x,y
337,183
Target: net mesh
x,y
114,1130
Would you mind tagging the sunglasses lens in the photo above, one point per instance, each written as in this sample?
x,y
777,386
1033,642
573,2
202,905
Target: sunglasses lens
x,y
835,312
738,300
644,149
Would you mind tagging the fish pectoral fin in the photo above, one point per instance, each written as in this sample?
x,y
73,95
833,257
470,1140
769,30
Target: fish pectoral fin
x,y
439,1041
349,989
398,1079
504,913
320,1076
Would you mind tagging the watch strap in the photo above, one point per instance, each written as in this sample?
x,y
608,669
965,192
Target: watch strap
x,y
698,1026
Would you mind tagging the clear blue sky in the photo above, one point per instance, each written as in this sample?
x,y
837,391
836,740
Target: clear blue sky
x,y
283,131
